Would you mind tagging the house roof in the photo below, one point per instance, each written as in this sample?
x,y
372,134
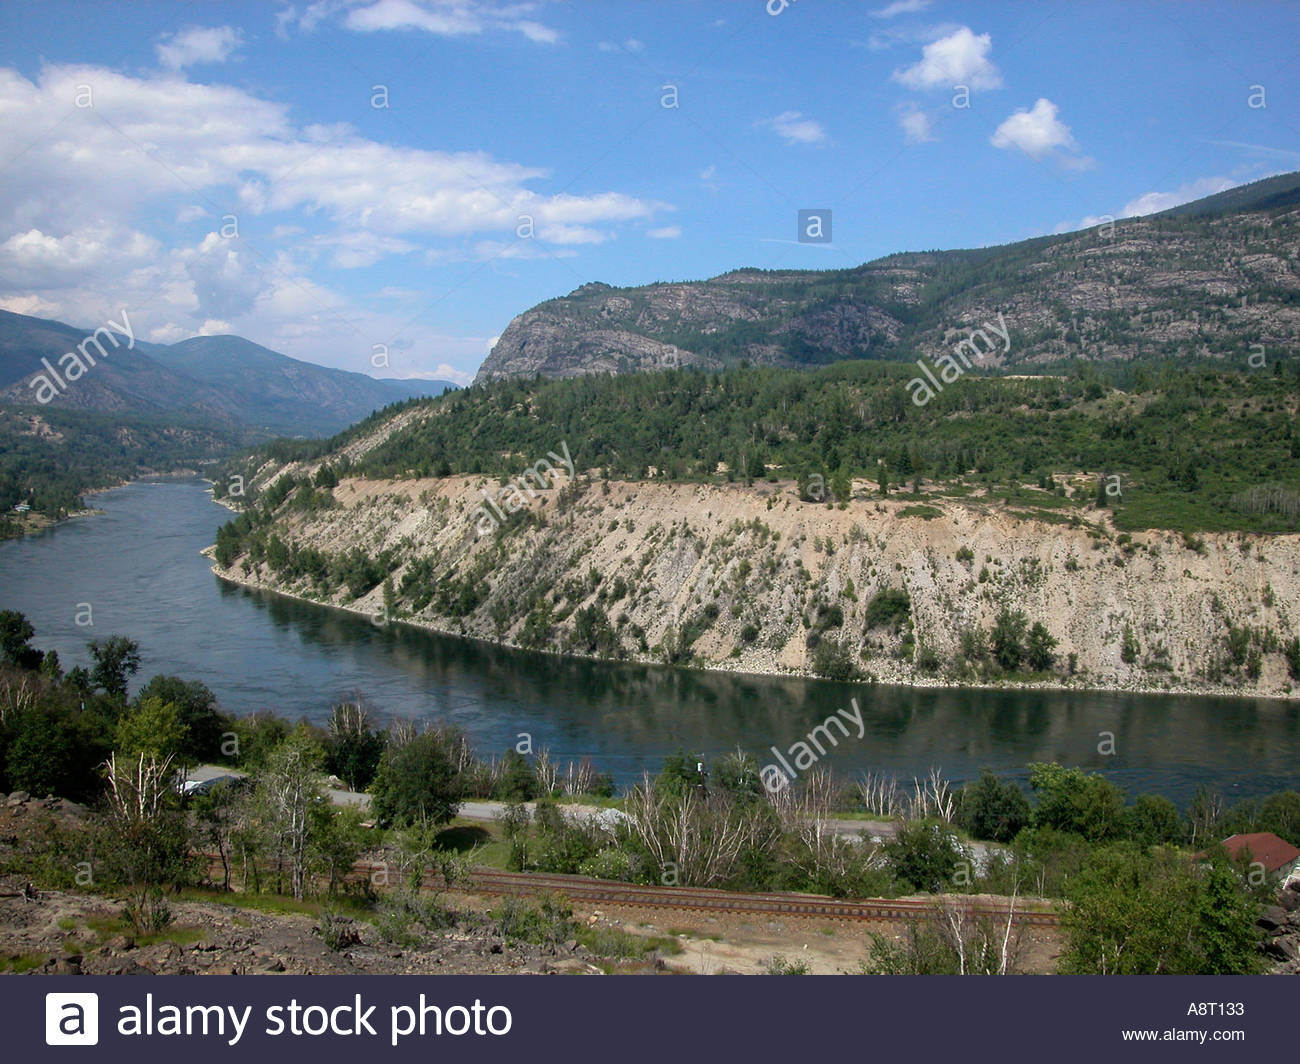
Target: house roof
x,y
1265,847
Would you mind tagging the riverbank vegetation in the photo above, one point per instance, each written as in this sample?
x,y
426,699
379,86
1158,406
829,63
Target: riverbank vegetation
x,y
51,456
1193,446
1135,878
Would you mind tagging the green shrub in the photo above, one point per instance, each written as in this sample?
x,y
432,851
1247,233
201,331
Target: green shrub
x,y
889,608
545,923
417,781
832,660
991,809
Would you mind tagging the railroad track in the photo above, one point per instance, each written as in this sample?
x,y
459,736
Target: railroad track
x,y
702,899
611,892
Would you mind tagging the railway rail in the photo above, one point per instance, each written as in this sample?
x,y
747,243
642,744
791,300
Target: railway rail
x,y
611,892
703,899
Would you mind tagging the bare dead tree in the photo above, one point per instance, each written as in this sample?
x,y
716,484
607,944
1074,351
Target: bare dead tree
x,y
933,797
579,777
401,731
975,941
700,838
546,770
16,696
137,789
804,813
880,795
353,716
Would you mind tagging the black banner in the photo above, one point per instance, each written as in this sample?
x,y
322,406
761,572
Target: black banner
x,y
632,1019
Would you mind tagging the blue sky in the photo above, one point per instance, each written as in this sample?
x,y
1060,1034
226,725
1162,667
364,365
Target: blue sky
x,y
223,167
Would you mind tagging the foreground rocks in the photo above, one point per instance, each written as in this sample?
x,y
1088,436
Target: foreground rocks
x,y
72,933
1281,924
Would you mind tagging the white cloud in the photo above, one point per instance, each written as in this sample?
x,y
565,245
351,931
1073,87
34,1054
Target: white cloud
x,y
571,234
168,334
535,31
227,279
905,33
86,220
794,128
351,251
629,45
441,372
901,7
35,259
916,126
244,156
199,44
445,18
1153,202
1035,131
667,232
960,58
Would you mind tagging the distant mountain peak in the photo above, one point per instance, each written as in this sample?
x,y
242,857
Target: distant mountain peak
x,y
220,379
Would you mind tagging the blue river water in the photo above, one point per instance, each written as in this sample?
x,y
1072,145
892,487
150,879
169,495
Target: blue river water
x,y
138,568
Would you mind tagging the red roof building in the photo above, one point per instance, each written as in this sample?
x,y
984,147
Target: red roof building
x,y
1275,854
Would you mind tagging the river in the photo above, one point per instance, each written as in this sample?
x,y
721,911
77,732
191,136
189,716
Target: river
x,y
138,568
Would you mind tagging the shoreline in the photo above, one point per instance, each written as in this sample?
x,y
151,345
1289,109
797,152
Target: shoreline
x,y
44,524
723,667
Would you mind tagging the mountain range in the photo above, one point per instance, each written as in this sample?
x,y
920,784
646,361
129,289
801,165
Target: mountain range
x,y
223,382
1211,278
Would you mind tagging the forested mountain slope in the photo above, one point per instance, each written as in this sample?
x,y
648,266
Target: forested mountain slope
x,y
1210,278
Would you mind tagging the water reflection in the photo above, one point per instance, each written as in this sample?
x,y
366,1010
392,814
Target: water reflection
x,y
140,568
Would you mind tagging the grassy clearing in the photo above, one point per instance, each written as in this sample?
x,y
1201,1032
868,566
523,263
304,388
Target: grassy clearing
x,y
616,944
17,963
463,834
107,927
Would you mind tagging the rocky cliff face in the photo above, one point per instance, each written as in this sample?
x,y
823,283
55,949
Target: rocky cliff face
x,y
1187,283
752,579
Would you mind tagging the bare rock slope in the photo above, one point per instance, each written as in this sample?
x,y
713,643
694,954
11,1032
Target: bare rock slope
x,y
753,580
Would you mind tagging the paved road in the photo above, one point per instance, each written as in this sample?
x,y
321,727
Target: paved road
x,y
850,829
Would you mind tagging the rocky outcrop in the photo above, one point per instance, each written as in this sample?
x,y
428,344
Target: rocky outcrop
x,y
1280,924
752,579
1218,285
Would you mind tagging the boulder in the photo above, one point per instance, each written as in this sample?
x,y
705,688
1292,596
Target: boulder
x,y
1286,948
1272,918
18,798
